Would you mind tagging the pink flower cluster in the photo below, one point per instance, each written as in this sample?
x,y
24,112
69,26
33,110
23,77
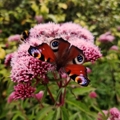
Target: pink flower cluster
x,y
112,114
25,68
106,37
14,38
72,32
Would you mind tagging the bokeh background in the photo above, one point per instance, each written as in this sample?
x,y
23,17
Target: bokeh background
x,y
101,17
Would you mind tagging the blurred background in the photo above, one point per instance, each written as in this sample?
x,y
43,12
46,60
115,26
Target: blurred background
x,y
101,17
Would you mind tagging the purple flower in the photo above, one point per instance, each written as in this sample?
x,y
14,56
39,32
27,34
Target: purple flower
x,y
14,38
106,37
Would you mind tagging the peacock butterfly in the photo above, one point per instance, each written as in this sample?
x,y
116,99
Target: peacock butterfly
x,y
65,56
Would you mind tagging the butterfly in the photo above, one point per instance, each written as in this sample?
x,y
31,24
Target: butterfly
x,y
24,35
65,56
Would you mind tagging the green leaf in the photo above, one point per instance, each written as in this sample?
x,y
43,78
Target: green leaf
x,y
43,113
18,116
50,115
81,106
56,114
74,116
82,91
65,115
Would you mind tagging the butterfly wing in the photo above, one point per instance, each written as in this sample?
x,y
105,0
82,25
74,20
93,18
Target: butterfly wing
x,y
74,67
78,73
71,58
59,47
60,52
42,52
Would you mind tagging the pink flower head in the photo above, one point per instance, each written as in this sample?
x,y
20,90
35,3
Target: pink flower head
x,y
26,67
8,59
112,114
115,113
100,115
72,32
92,94
114,47
39,19
11,97
44,30
91,52
89,70
14,38
106,37
22,91
39,95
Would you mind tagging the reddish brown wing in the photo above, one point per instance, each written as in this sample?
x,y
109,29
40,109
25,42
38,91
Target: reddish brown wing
x,y
78,73
63,47
75,56
43,52
60,49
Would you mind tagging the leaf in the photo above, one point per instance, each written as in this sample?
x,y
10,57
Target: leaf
x,y
62,5
50,115
82,91
56,114
18,116
81,106
75,115
65,115
43,113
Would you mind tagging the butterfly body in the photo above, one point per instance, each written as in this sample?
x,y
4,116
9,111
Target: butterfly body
x,y
65,56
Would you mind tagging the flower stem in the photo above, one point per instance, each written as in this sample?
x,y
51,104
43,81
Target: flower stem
x,y
23,112
50,94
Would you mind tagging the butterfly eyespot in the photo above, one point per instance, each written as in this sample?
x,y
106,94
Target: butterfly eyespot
x,y
79,59
37,54
54,45
82,80
34,52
